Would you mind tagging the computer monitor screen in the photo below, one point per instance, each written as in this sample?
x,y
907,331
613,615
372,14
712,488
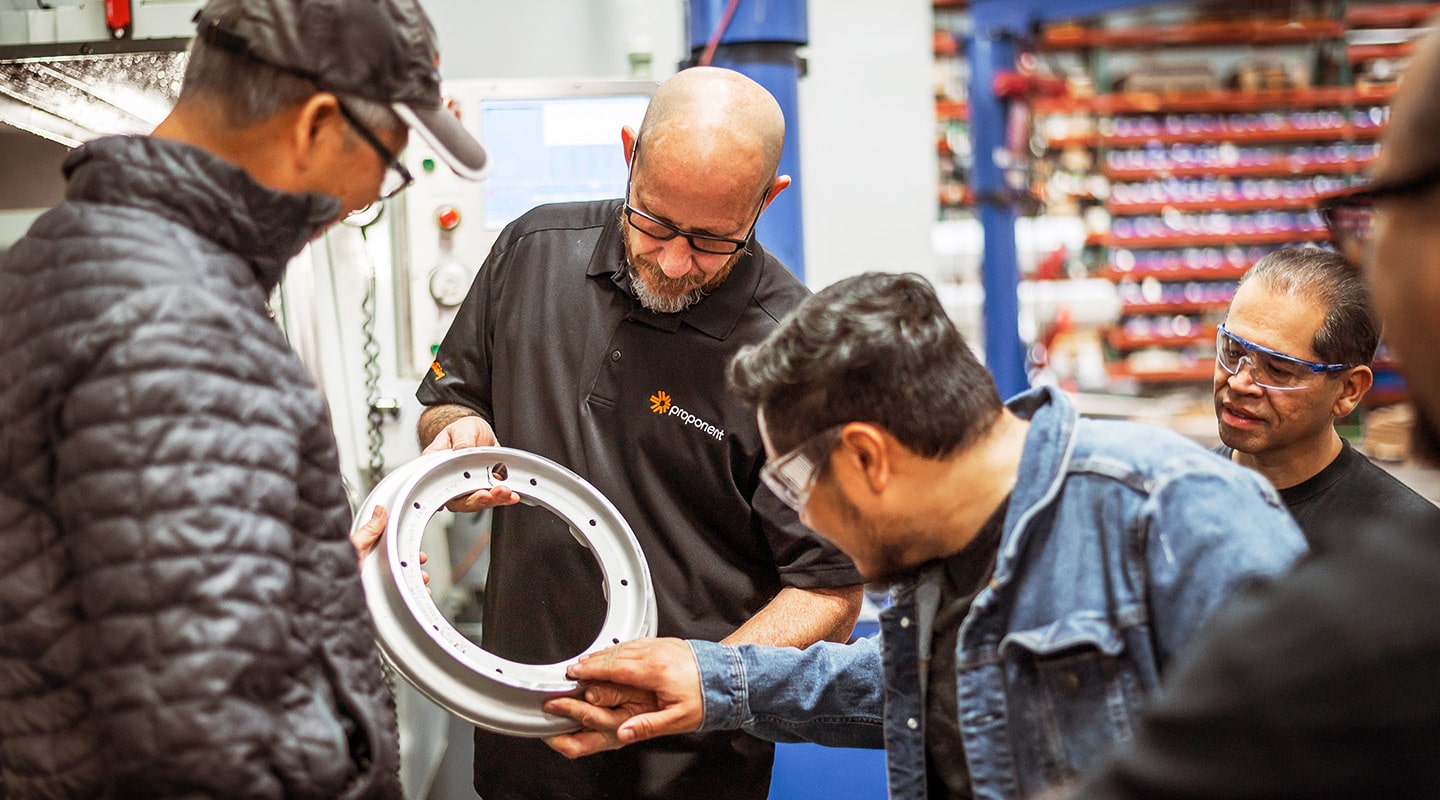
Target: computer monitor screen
x,y
554,150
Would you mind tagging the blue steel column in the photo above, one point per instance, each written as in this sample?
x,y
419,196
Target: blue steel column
x,y
761,42
992,48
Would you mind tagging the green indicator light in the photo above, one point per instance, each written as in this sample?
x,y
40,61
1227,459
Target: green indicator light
x,y
427,164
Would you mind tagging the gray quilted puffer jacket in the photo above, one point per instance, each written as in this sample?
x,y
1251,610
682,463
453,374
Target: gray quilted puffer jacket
x,y
180,610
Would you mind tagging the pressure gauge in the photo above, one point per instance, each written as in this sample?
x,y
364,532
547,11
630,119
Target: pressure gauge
x,y
449,282
364,217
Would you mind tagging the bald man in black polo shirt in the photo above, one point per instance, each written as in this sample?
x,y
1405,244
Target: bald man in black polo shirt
x,y
597,335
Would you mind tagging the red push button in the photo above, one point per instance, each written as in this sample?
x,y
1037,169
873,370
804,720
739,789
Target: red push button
x,y
448,218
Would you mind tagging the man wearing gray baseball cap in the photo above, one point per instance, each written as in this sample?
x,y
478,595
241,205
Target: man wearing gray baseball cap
x,y
181,614
381,51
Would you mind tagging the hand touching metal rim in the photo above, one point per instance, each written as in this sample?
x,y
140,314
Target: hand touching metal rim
x,y
491,692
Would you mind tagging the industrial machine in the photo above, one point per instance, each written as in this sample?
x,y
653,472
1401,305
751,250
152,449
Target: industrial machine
x,y
548,140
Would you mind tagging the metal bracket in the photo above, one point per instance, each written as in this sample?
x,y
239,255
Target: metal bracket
x,y
420,643
386,407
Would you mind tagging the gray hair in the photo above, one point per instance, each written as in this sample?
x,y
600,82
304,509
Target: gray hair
x,y
1350,332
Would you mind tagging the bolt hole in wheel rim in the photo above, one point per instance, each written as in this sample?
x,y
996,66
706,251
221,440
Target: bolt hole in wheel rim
x,y
420,643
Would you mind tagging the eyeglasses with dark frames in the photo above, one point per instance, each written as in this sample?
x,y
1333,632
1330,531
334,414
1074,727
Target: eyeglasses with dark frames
x,y
1269,368
1348,213
397,178
663,231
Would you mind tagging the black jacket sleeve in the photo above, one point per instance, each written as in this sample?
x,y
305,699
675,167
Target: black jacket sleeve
x,y
1320,686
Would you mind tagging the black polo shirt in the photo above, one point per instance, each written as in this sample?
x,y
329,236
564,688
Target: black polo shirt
x,y
1345,496
553,349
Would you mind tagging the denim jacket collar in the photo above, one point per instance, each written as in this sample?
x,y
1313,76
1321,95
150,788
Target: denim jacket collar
x,y
1048,446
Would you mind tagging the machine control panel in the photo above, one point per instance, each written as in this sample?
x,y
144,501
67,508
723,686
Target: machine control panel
x,y
547,141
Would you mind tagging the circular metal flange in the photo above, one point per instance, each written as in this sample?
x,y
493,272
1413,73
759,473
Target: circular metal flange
x,y
420,643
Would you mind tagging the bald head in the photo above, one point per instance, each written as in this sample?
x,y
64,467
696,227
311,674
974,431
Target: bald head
x,y
715,121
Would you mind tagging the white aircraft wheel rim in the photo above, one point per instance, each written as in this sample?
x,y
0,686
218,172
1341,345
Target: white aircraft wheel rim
x,y
420,643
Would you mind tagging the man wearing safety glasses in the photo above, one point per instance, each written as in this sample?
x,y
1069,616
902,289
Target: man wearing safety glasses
x,y
1292,357
1045,568
1323,685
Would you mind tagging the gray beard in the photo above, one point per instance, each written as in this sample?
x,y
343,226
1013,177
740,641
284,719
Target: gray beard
x,y
661,304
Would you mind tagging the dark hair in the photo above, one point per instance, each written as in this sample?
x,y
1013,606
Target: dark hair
x,y
253,91
876,348
1350,332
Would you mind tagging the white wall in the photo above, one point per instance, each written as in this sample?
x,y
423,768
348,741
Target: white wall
x,y
867,139
555,38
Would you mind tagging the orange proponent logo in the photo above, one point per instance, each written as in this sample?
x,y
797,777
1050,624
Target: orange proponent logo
x,y
661,404
436,368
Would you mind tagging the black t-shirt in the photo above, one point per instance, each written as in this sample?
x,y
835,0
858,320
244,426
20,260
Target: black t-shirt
x,y
965,573
1323,685
552,348
1345,496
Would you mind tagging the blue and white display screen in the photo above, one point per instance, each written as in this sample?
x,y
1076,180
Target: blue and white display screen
x,y
554,150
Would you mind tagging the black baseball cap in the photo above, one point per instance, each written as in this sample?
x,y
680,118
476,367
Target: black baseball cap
x,y
382,50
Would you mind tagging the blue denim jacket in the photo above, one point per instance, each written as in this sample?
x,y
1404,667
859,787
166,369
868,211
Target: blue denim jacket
x,y
1120,539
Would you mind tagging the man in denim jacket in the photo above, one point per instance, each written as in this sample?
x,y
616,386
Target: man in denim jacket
x,y
1047,567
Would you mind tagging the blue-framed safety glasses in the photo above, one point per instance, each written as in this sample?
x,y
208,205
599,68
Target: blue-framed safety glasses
x,y
1271,369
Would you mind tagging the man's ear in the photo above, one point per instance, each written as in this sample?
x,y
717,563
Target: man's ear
x,y
1353,385
317,132
865,453
628,137
776,187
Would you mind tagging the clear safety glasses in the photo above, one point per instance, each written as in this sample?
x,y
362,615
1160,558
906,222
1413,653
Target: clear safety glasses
x,y
1268,368
792,476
